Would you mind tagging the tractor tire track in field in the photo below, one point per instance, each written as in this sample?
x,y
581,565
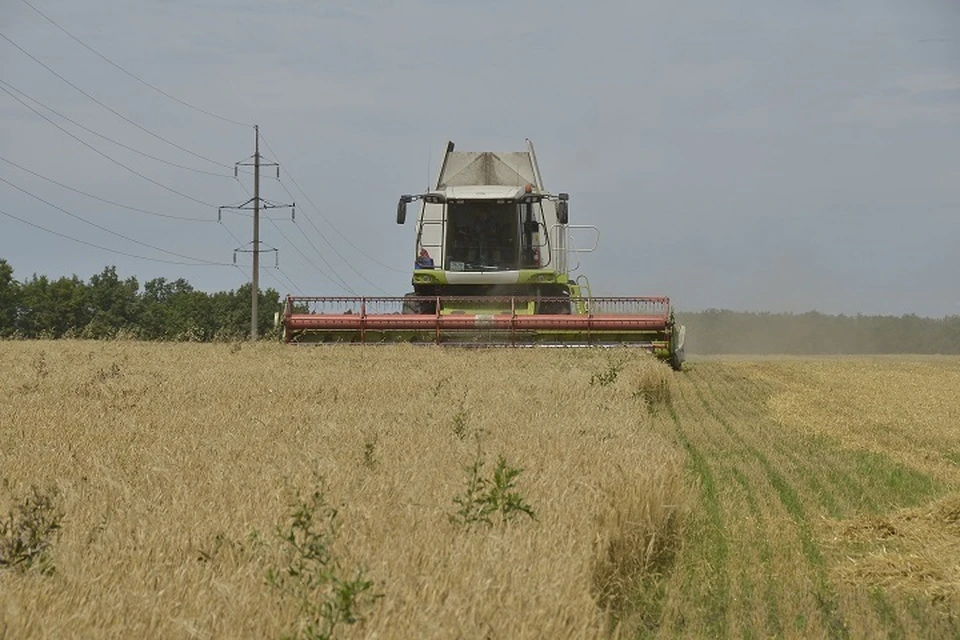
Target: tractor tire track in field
x,y
810,468
824,593
710,542
738,481
772,609
842,494
787,510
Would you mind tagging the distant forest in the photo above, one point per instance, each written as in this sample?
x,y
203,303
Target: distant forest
x,y
735,332
106,306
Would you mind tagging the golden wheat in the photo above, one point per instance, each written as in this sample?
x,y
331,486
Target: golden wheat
x,y
174,464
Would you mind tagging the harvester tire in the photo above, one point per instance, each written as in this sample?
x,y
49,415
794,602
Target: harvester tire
x,y
676,363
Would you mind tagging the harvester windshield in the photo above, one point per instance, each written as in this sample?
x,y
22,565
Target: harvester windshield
x,y
490,235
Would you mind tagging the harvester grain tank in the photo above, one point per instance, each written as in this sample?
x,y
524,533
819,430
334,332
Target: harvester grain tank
x,y
493,265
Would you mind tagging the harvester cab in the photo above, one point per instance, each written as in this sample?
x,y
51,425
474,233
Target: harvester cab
x,y
491,266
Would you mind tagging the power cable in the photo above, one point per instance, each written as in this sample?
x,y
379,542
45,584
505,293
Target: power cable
x,y
333,248
269,273
266,272
342,283
132,75
98,198
112,110
239,243
109,250
103,228
235,238
101,153
289,281
109,139
325,219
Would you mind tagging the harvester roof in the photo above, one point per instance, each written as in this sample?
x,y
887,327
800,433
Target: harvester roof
x,y
472,168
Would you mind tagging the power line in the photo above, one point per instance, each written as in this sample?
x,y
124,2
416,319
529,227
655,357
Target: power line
x,y
101,153
325,219
238,241
111,202
103,228
109,250
132,75
109,139
269,273
342,283
289,281
111,109
333,248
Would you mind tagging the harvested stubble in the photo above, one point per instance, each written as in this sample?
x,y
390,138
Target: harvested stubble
x,y
175,463
913,551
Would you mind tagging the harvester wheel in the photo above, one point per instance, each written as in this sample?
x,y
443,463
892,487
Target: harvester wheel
x,y
676,363
677,349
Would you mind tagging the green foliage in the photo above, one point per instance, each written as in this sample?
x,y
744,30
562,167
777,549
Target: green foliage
x,y
109,307
312,574
52,309
113,305
370,451
655,392
484,498
610,374
891,481
460,420
28,532
9,300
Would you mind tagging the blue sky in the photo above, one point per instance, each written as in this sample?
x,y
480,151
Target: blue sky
x,y
749,155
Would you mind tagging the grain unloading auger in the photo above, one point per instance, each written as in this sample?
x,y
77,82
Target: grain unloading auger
x,y
492,267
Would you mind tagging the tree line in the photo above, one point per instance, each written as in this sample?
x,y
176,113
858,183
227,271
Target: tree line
x,y
107,307
717,331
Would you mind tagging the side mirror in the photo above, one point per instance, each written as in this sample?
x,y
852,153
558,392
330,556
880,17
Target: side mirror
x,y
563,211
531,226
402,209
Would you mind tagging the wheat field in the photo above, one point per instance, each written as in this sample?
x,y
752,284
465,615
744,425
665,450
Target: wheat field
x,y
773,497
174,465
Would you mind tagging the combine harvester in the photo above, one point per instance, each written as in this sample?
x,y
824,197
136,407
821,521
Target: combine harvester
x,y
492,267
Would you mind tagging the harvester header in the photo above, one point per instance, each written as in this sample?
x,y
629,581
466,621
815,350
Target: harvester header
x,y
493,265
